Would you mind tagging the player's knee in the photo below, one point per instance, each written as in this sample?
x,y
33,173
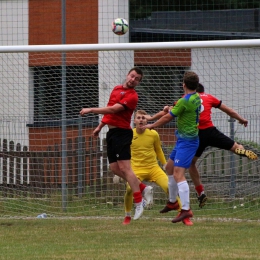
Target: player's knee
x,y
194,160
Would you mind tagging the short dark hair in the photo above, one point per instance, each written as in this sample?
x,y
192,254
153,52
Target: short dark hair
x,y
138,71
200,88
191,80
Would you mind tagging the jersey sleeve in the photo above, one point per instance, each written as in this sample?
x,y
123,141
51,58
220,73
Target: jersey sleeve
x,y
215,102
178,108
129,100
158,148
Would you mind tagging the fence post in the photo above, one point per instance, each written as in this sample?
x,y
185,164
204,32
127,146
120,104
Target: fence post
x,y
26,176
11,169
18,169
5,168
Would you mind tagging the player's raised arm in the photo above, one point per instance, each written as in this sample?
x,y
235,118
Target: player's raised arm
x,y
102,110
160,114
232,113
162,121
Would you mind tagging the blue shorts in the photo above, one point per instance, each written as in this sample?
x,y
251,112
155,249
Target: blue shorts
x,y
183,152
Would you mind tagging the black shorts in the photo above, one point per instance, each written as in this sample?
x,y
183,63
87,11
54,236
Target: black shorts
x,y
119,141
213,137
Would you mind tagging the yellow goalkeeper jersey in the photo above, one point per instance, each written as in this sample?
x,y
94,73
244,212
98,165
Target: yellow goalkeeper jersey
x,y
146,149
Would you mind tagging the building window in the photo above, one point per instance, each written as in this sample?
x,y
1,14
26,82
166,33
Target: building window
x,y
162,85
81,91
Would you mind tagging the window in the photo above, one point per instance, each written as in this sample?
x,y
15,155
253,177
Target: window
x,y
162,85
81,91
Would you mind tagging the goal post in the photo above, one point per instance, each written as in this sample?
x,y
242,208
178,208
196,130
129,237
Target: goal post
x,y
131,46
39,174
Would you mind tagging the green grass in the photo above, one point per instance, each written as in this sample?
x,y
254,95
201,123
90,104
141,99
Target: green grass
x,y
214,208
107,238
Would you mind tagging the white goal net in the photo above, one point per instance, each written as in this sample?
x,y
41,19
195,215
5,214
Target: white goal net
x,y
49,162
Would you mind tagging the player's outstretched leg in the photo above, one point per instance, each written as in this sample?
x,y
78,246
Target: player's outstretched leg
x,y
202,200
247,153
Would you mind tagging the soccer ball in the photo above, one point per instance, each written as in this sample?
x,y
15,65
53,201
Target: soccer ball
x,y
117,179
120,26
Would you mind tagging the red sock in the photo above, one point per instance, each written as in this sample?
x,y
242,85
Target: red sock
x,y
142,186
199,189
137,196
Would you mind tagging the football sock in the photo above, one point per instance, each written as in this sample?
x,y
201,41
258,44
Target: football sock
x,y
173,188
199,189
184,193
142,186
137,197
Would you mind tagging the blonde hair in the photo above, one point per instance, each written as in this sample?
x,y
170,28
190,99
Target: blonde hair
x,y
142,112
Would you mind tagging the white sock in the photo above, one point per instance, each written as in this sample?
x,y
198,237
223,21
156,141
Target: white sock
x,y
173,188
184,193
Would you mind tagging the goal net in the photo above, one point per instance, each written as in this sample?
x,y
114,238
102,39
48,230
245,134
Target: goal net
x,y
49,161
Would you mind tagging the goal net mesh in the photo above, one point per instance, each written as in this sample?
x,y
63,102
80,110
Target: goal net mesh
x,y
49,161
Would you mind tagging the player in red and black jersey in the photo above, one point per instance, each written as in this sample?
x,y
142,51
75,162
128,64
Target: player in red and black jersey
x,y
209,135
117,116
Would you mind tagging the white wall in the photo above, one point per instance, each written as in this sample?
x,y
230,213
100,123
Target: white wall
x,y
113,65
233,75
14,80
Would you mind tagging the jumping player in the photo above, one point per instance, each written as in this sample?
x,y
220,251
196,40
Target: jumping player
x,y
117,115
187,111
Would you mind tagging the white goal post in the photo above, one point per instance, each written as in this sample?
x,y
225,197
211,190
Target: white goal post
x,y
50,163
131,46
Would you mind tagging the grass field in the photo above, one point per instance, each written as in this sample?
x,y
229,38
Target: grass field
x,y
147,238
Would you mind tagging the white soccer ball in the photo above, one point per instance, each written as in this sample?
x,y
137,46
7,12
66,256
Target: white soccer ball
x,y
120,26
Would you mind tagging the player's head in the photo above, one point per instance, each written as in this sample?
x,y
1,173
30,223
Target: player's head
x,y
200,88
191,80
138,71
140,118
134,77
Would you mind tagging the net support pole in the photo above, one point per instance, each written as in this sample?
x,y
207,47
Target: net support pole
x,y
80,157
63,112
232,161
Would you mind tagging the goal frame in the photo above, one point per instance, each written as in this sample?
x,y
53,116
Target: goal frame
x,y
63,48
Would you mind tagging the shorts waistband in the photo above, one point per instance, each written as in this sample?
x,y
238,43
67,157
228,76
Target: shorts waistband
x,y
111,126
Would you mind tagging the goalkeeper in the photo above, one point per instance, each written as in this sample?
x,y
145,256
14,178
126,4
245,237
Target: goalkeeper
x,y
145,150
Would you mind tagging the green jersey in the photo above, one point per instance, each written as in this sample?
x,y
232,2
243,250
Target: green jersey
x,y
187,111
